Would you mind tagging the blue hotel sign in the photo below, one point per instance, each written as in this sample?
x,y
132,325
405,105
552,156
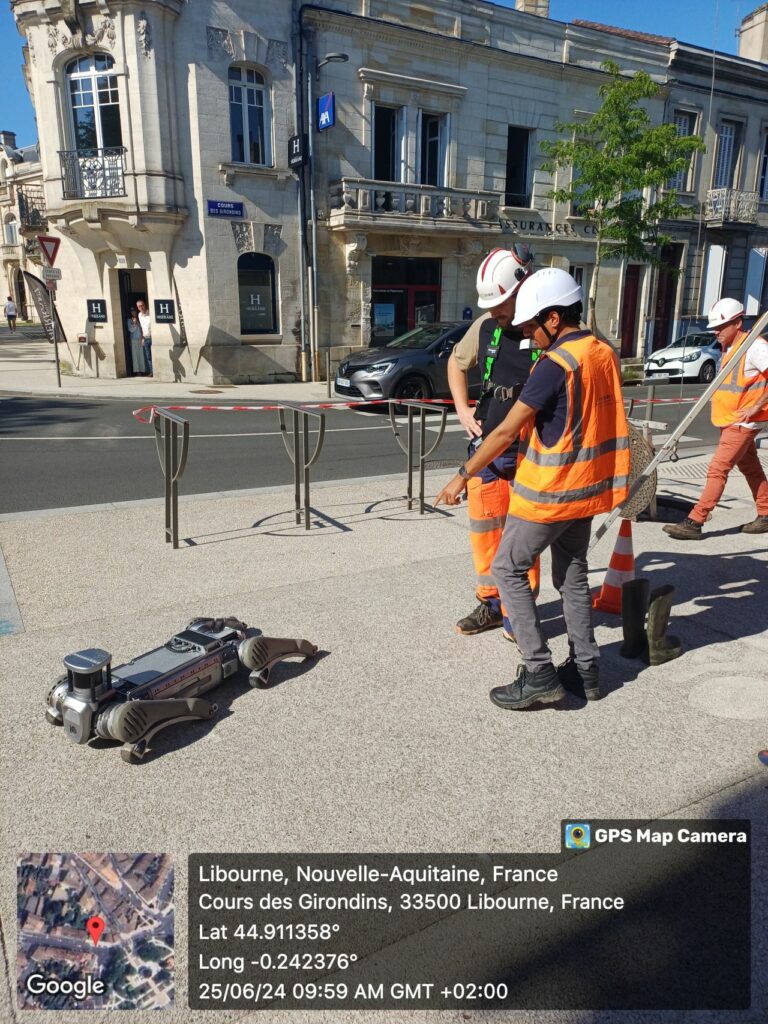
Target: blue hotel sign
x,y
216,208
326,111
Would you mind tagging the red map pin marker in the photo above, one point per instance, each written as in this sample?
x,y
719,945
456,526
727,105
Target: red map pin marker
x,y
95,927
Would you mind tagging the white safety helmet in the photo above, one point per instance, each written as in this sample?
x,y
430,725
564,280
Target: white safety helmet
x,y
723,312
501,273
543,290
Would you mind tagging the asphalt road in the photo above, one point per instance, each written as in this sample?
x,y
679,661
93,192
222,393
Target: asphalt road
x,y
62,452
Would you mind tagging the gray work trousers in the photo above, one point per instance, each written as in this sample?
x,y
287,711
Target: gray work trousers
x,y
521,544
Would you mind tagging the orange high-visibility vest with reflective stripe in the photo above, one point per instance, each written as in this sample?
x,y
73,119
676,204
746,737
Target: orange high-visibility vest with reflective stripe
x,y
738,392
587,471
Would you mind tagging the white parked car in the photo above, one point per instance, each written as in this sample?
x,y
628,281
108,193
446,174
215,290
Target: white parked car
x,y
693,356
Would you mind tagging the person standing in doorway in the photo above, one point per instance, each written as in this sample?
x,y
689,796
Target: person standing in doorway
x,y
137,352
146,334
11,313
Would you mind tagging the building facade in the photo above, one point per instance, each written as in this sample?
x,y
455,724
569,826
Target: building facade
x,y
22,217
282,180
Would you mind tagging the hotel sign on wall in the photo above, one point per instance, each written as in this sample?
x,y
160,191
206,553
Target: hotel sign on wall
x,y
546,229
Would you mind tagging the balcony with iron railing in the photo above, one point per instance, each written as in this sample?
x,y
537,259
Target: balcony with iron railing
x,y
32,212
93,173
359,202
731,206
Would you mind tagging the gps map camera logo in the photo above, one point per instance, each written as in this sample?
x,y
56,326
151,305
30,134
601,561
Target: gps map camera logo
x,y
578,837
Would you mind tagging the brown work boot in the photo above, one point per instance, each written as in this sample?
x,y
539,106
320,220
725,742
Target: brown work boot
x,y
485,616
759,525
687,529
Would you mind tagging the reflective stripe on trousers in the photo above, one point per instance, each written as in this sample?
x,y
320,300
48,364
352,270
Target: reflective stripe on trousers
x,y
487,503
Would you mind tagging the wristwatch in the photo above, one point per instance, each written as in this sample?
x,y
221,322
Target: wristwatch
x,y
463,472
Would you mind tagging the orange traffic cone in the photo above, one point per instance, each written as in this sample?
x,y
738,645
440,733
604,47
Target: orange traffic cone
x,y
621,569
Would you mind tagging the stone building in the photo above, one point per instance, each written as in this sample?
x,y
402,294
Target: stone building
x,y
22,216
279,180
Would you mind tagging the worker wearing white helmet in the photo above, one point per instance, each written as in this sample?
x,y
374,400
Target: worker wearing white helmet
x,y
739,409
505,360
574,465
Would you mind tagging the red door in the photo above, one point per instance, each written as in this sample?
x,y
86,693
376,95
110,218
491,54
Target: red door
x,y
629,310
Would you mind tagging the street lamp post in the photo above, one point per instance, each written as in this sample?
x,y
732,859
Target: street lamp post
x,y
314,302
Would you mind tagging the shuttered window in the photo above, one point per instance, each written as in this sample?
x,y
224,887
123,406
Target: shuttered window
x,y
685,123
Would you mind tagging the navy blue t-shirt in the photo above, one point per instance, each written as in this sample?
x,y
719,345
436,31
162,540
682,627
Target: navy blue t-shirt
x,y
546,392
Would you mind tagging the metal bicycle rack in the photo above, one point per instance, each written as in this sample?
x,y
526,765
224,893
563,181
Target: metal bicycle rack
x,y
297,452
173,461
412,405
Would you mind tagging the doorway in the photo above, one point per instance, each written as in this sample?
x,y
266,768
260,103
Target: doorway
x,y
405,294
133,286
665,296
629,310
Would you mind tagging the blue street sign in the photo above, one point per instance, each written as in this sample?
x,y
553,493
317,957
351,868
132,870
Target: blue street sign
x,y
326,111
216,208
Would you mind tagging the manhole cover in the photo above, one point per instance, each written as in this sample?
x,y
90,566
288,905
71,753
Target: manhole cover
x,y
206,391
740,697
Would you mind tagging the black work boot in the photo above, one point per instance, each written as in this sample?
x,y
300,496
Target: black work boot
x,y
687,529
485,616
759,525
581,681
540,686
634,605
661,648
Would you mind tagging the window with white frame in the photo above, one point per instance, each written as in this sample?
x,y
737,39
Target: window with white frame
x,y
729,134
433,144
11,230
685,124
94,102
763,183
250,117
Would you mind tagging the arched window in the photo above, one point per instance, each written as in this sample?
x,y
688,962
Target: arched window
x,y
258,297
11,230
250,117
94,102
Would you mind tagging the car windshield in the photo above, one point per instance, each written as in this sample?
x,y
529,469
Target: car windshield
x,y
419,337
692,340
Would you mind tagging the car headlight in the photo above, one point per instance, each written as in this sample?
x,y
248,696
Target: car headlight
x,y
377,370
691,357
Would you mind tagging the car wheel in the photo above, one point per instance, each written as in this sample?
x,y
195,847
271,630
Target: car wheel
x,y
413,388
707,373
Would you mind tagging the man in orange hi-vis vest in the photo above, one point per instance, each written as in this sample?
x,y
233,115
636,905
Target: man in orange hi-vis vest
x,y
574,464
739,409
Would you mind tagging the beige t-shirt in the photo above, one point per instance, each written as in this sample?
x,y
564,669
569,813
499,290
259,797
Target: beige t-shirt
x,y
466,351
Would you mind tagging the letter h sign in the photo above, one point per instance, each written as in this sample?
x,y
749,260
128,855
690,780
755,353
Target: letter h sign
x,y
165,311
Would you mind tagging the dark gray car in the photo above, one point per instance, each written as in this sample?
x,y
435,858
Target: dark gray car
x,y
413,365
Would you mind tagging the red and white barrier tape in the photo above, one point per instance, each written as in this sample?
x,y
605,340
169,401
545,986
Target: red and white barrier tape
x,y
272,408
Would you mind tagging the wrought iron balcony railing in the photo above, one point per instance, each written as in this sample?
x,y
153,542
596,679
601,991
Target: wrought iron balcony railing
x,y
360,200
731,206
93,173
32,208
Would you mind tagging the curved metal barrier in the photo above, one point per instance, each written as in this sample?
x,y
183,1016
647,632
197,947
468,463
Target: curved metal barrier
x,y
173,462
300,446
412,405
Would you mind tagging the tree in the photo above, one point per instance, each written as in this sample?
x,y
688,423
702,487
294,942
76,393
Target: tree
x,y
621,167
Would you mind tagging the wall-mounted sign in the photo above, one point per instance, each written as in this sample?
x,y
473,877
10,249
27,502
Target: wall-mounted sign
x,y
218,208
326,111
97,311
467,313
297,150
565,229
165,311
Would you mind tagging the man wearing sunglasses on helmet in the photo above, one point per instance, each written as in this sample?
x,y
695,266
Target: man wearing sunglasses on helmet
x,y
505,358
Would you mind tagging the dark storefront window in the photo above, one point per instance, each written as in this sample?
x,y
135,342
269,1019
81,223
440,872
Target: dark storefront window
x,y
257,293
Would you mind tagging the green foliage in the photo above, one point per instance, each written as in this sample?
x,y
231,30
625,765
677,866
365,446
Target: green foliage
x,y
621,165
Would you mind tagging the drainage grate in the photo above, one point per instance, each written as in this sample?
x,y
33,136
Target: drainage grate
x,y
206,391
695,469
